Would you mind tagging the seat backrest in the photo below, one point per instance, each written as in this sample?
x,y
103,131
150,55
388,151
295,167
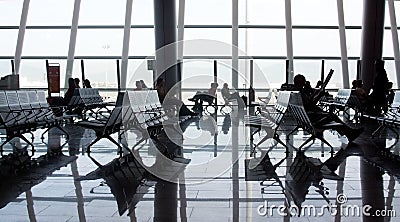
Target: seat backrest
x,y
282,102
343,96
128,116
114,121
12,100
42,99
33,99
76,98
299,113
141,102
23,99
5,113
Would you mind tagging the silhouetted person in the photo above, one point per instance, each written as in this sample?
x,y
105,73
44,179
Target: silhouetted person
x,y
138,85
229,96
317,116
360,92
77,81
227,123
171,102
379,89
86,83
70,91
208,96
161,89
390,94
354,84
144,86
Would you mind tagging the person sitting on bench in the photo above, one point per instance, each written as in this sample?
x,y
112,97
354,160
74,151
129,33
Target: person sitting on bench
x,y
230,96
200,97
170,102
317,116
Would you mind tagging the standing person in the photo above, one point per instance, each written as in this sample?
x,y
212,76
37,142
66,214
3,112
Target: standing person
x,y
229,96
380,88
70,91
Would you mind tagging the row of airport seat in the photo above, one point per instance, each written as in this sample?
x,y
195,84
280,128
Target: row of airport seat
x,y
23,112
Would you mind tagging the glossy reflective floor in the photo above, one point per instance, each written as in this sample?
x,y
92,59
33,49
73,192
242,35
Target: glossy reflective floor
x,y
219,184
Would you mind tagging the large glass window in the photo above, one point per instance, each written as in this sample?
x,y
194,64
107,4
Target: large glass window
x,y
316,42
8,42
314,12
102,73
142,42
353,42
10,11
137,70
217,41
50,12
5,67
102,12
46,42
337,77
311,69
387,49
143,12
269,73
99,42
263,42
261,12
33,73
391,72
208,12
353,12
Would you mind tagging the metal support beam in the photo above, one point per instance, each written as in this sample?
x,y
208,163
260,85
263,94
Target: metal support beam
x,y
289,38
72,42
372,39
181,29
21,35
395,39
343,45
235,43
165,28
125,45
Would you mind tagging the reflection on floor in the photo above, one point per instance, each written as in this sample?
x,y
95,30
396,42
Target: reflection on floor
x,y
222,182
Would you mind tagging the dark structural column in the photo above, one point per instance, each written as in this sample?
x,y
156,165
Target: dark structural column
x,y
372,39
165,27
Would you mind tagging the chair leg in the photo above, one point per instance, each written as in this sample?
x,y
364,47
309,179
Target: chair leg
x,y
307,141
116,143
326,142
32,136
276,137
95,161
27,142
379,129
92,143
42,137
291,132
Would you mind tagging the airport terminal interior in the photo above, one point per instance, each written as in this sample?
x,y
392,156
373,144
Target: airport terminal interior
x,y
189,110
